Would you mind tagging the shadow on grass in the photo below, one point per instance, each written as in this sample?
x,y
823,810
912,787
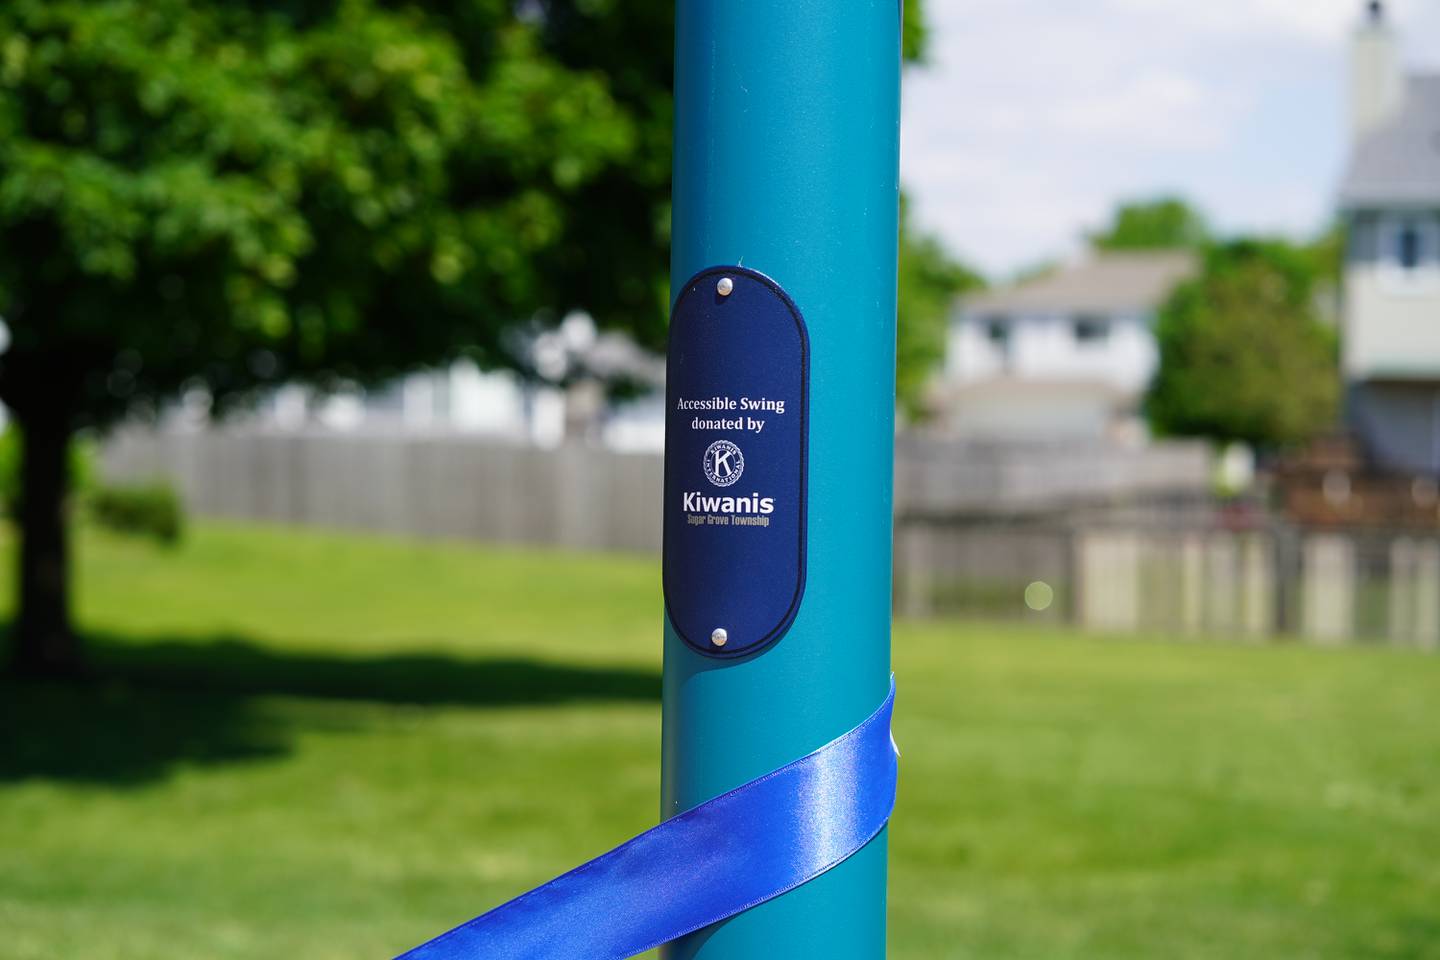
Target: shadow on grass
x,y
149,707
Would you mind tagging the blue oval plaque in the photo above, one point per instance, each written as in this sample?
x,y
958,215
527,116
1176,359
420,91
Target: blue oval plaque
x,y
737,418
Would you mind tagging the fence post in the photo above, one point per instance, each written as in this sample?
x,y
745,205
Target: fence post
x,y
1327,589
786,163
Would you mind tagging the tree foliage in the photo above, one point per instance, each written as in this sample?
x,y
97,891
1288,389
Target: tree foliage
x,y
232,195
1162,223
228,195
914,34
930,280
1243,355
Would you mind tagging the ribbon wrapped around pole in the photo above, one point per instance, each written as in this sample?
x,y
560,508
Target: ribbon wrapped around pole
x,y
712,862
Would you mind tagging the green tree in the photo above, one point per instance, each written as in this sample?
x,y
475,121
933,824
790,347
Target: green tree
x,y
228,196
929,278
914,35
1162,223
232,195
1326,254
1243,355
929,283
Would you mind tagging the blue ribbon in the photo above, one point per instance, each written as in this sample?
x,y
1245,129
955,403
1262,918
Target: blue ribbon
x,y
721,858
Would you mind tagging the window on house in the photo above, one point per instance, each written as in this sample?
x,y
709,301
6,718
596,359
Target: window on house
x,y
1409,252
1408,247
997,331
1091,331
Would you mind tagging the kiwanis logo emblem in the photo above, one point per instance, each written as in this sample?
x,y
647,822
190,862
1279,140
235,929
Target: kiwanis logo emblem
x,y
723,463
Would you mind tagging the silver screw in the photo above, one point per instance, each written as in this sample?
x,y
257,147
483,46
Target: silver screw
x,y
723,288
719,637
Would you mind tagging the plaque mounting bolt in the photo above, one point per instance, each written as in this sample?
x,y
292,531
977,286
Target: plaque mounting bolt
x,y
718,636
724,287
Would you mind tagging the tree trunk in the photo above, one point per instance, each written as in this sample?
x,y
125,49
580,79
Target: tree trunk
x,y
43,640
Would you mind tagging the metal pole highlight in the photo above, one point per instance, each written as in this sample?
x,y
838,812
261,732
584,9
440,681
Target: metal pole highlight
x,y
786,163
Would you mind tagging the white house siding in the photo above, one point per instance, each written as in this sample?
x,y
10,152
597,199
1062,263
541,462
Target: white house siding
x,y
1391,345
1044,346
1077,352
1392,327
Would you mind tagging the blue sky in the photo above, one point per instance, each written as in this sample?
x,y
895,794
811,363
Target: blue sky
x,y
1034,117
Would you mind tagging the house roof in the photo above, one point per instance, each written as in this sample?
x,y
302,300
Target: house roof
x,y
1103,283
1399,163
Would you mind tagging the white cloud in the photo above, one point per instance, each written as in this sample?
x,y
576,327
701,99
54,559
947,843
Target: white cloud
x,y
1161,108
1035,116
1321,21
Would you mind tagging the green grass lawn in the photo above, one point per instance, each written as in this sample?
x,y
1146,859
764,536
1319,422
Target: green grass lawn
x,y
323,746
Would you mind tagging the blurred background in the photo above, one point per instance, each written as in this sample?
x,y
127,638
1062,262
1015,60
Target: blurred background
x,y
331,362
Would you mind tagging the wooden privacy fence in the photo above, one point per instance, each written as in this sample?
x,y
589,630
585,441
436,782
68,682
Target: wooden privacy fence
x,y
574,496
1323,586
578,495
1116,538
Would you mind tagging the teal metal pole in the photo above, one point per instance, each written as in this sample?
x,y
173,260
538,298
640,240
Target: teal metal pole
x,y
786,162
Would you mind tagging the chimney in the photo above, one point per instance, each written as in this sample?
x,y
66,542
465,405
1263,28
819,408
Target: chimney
x,y
1377,85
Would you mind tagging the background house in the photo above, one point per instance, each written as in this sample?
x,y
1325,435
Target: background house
x,y
1064,355
568,399
1390,201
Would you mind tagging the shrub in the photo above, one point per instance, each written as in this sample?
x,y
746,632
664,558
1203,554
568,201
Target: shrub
x,y
151,510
